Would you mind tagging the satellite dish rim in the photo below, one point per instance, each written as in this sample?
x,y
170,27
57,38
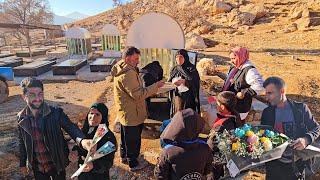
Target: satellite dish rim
x,y
115,28
171,17
77,33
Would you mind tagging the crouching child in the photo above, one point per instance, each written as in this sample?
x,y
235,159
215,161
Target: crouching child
x,y
227,119
185,156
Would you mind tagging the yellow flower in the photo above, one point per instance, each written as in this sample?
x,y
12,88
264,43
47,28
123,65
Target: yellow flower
x,y
249,133
235,146
261,132
264,139
267,145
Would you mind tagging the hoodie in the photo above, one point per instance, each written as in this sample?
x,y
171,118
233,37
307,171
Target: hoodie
x,y
129,94
186,157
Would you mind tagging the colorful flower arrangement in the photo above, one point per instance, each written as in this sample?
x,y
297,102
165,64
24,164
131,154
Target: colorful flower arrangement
x,y
249,141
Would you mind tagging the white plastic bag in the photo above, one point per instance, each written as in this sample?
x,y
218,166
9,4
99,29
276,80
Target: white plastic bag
x,y
182,88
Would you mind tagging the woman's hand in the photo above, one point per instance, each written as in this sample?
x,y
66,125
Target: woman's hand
x,y
240,95
88,167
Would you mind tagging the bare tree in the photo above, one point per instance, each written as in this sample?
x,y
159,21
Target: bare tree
x,y
27,12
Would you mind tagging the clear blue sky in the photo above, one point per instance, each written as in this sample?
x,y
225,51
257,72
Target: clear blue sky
x,y
88,7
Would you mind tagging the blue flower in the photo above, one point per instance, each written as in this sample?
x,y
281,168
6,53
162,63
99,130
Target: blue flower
x,y
246,127
239,132
269,133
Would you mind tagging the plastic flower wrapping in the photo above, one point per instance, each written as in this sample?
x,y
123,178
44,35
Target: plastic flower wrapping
x,y
249,141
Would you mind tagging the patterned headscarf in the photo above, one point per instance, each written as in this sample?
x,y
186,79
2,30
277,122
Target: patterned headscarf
x,y
242,55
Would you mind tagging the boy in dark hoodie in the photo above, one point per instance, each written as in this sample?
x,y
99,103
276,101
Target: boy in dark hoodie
x,y
98,169
185,156
227,119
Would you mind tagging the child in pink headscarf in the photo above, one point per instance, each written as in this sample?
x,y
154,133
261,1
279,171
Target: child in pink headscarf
x,y
243,79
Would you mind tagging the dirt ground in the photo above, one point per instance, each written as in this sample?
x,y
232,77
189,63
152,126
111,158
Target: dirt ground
x,y
300,72
75,98
293,56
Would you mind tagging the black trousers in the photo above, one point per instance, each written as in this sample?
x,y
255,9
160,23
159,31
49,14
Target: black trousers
x,y
49,176
131,143
277,170
95,176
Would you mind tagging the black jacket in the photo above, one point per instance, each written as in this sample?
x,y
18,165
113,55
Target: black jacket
x,y
306,125
185,157
51,122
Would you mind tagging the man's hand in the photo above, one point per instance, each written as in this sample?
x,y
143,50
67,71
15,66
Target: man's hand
x,y
88,167
160,84
24,171
179,82
300,143
73,156
240,95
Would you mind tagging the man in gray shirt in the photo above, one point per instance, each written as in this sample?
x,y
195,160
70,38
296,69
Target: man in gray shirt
x,y
293,119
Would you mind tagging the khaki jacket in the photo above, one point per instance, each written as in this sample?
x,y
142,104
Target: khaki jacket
x,y
130,95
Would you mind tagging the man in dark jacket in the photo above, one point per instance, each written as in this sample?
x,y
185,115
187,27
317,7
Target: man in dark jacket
x,y
185,156
293,119
41,141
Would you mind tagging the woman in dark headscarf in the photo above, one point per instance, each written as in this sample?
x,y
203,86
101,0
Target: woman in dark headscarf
x,y
98,169
190,78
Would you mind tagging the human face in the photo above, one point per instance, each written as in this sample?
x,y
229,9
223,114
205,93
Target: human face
x,y
34,97
221,108
233,58
94,117
133,60
274,95
179,59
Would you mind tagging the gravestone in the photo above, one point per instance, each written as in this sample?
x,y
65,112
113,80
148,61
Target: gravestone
x,y
11,62
102,64
69,67
33,69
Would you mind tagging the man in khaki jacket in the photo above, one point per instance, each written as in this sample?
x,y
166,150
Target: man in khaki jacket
x,y
129,97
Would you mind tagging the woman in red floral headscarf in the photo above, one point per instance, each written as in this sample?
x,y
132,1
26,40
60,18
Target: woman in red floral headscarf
x,y
243,79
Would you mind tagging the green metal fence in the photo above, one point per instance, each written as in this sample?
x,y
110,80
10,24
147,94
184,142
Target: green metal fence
x,y
111,43
79,46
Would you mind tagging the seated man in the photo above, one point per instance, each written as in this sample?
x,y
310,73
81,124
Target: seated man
x,y
184,156
293,119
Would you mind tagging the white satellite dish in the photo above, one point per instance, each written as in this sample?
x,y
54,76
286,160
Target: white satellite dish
x,y
78,33
110,30
156,30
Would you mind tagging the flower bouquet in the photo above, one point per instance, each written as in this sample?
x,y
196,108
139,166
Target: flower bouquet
x,y
104,150
250,146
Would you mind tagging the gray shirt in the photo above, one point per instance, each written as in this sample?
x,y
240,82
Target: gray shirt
x,y
284,123
284,120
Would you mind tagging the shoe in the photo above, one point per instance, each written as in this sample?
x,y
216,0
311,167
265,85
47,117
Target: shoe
x,y
141,165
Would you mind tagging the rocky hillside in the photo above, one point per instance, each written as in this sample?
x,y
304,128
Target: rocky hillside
x,y
211,19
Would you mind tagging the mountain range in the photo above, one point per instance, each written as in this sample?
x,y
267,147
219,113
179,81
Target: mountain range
x,y
69,18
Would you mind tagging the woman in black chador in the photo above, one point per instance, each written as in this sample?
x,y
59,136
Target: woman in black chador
x,y
190,78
